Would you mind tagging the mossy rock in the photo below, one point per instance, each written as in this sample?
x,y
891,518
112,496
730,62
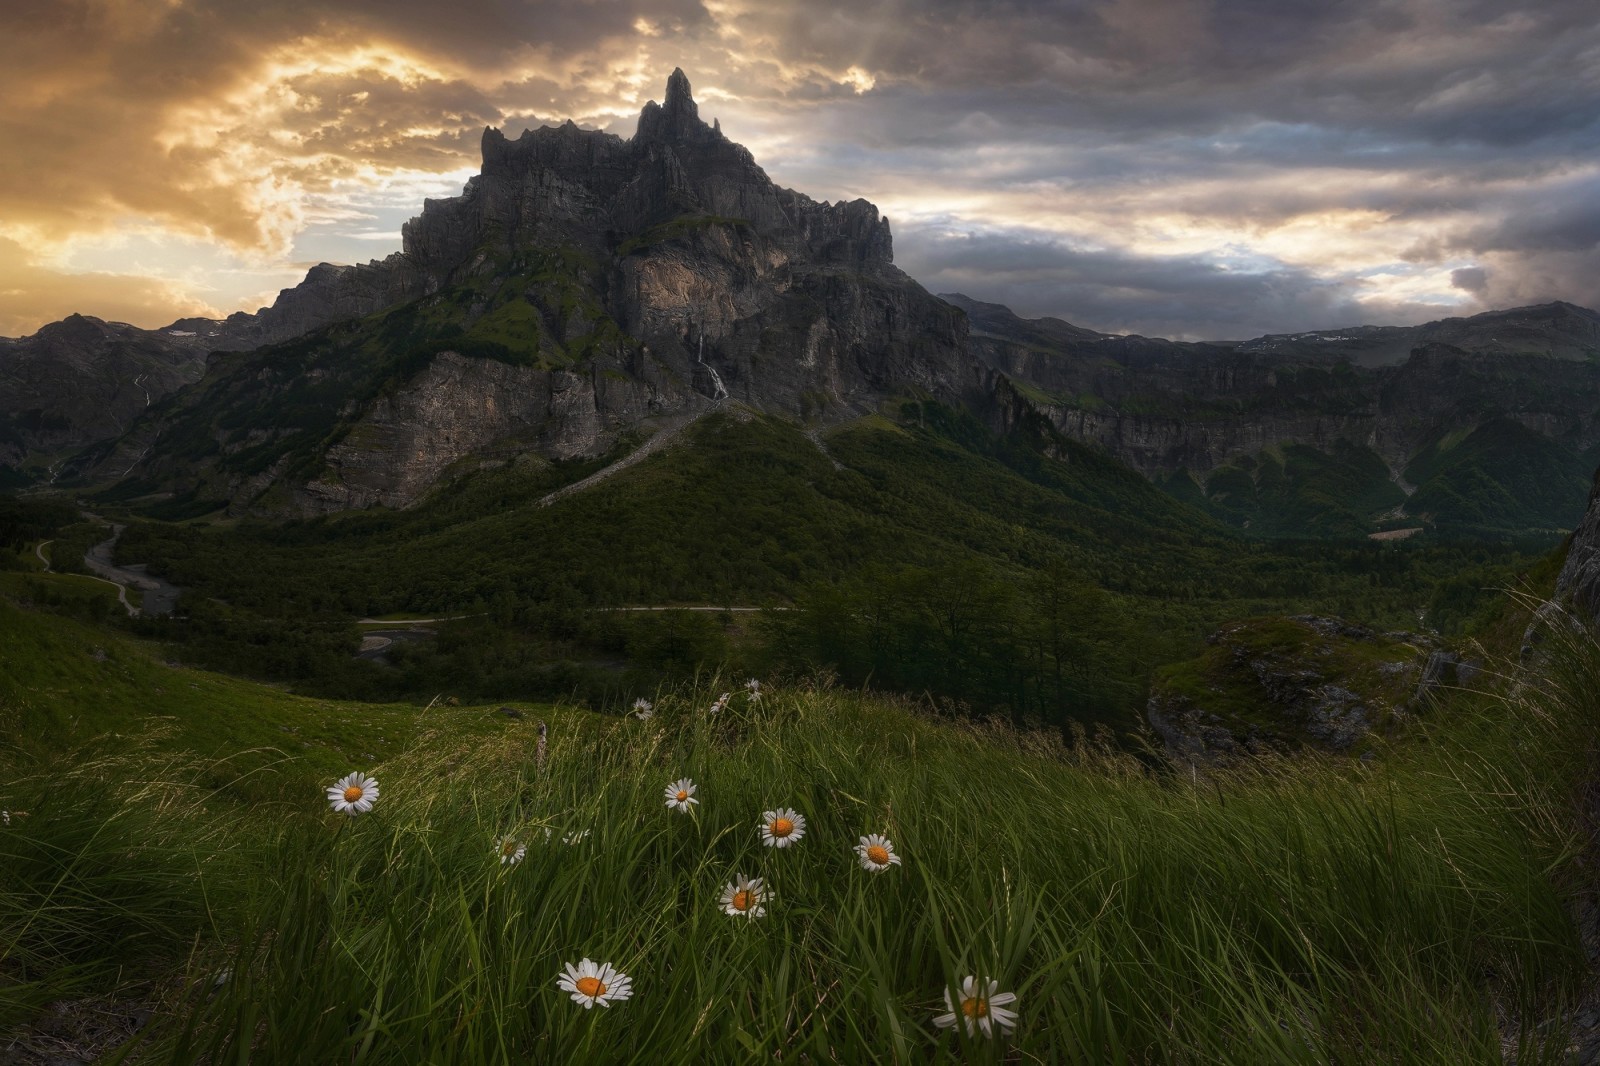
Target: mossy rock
x,y
1280,685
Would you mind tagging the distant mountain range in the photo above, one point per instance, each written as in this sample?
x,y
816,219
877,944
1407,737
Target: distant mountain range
x,y
586,291
1499,428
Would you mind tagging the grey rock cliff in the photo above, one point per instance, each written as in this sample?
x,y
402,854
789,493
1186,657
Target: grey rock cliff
x,y
1579,580
1164,407
581,287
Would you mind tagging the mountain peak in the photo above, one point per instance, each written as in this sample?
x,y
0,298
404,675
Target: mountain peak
x,y
679,98
678,119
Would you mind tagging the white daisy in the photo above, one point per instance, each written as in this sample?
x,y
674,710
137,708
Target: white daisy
x,y
722,703
577,836
782,827
591,983
743,896
5,817
643,709
982,1008
353,794
511,850
876,853
753,688
680,794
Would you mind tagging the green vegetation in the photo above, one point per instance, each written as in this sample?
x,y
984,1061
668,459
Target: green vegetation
x,y
1499,476
25,522
678,229
1262,679
1033,576
1301,491
1488,481
1408,910
65,681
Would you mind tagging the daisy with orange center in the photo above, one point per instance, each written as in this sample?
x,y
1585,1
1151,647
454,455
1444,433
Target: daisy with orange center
x,y
353,794
680,795
591,982
983,1008
782,827
743,896
876,853
512,850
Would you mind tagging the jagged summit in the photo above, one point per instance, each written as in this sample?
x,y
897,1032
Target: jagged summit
x,y
678,119
580,288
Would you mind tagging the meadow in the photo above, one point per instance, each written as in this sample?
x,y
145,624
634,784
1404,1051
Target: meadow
x,y
1410,908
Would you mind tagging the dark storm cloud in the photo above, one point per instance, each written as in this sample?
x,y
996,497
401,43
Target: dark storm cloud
x,y
1229,165
1448,127
1185,297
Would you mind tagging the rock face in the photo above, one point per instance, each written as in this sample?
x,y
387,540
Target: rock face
x,y
1579,579
1278,685
457,409
1163,406
581,286
1519,387
745,289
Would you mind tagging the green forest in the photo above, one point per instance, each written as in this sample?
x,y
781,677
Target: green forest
x,y
913,552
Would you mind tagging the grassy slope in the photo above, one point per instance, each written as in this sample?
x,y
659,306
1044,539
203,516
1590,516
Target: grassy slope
x,y
1254,674
64,682
1308,912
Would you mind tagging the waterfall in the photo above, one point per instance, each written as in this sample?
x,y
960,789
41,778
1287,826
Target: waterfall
x,y
716,378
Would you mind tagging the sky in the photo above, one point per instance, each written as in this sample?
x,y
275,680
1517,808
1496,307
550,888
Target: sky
x,y
1199,169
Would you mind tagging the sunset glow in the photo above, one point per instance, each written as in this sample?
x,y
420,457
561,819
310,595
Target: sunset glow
x,y
185,158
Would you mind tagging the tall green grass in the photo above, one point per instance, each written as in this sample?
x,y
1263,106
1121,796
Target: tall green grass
x,y
1410,909
1299,912
113,860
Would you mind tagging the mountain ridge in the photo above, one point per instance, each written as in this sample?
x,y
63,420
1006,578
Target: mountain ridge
x,y
585,288
581,287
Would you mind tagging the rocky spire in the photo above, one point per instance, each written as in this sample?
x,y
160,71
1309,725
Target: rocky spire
x,y
680,101
676,120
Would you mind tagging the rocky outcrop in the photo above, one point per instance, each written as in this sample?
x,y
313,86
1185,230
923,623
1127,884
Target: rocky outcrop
x,y
1579,580
1278,685
461,409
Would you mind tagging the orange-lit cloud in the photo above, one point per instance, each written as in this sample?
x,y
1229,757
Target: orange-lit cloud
x,y
1351,158
48,295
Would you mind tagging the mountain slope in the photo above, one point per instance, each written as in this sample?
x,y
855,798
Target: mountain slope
x,y
1298,440
1553,331
583,287
81,380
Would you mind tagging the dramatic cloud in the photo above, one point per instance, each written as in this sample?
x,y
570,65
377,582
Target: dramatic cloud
x,y
48,295
1183,167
